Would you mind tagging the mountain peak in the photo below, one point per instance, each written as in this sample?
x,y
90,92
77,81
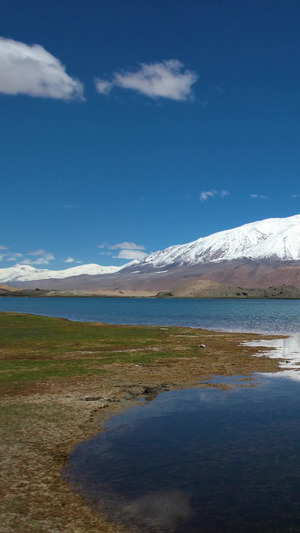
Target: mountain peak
x,y
276,238
21,273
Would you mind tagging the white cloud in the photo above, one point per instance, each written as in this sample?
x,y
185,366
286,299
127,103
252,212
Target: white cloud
x,y
44,260
11,256
40,261
295,195
103,86
127,246
130,254
128,250
71,260
1,257
33,71
166,79
210,194
258,196
37,252
49,256
122,246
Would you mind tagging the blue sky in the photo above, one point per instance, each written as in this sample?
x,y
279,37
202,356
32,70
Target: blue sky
x,y
129,126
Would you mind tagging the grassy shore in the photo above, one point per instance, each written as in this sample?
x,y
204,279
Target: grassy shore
x,y
60,380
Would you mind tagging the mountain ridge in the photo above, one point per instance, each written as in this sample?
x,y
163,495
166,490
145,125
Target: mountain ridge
x,y
274,238
29,273
257,254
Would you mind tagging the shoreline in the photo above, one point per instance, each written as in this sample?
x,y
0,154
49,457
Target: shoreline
x,y
262,333
153,296
45,419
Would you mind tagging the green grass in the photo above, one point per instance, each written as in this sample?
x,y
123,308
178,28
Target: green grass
x,y
34,348
25,370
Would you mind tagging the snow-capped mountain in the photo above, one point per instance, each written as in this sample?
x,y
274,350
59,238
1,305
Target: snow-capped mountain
x,y
273,238
28,273
259,254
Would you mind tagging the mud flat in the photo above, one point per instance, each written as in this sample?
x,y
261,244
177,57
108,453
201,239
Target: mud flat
x,y
61,380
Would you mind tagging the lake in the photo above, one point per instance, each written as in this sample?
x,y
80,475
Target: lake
x,y
259,316
199,460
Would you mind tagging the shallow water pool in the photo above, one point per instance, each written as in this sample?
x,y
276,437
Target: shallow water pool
x,y
204,459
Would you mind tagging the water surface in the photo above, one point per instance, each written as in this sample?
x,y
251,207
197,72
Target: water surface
x,y
196,460
261,316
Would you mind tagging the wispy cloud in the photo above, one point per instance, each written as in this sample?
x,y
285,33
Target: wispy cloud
x,y
205,195
103,86
258,196
295,195
13,257
166,79
128,250
218,89
9,256
122,245
37,252
71,260
43,260
33,71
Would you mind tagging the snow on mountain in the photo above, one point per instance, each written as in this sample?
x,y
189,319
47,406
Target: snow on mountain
x,y
29,273
273,238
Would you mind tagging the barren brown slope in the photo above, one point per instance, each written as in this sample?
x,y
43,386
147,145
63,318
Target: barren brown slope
x,y
5,287
213,289
201,289
242,273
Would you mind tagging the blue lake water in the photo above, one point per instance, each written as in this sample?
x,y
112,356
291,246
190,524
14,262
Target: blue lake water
x,y
199,460
272,316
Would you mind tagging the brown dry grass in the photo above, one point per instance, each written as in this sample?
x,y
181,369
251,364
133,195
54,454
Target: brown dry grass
x,y
43,419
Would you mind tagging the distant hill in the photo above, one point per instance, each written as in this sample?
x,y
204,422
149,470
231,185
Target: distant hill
x,y
192,289
22,273
4,287
212,289
256,255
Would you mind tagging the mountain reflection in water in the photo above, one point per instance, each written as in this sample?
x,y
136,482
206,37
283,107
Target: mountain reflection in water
x,y
202,459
